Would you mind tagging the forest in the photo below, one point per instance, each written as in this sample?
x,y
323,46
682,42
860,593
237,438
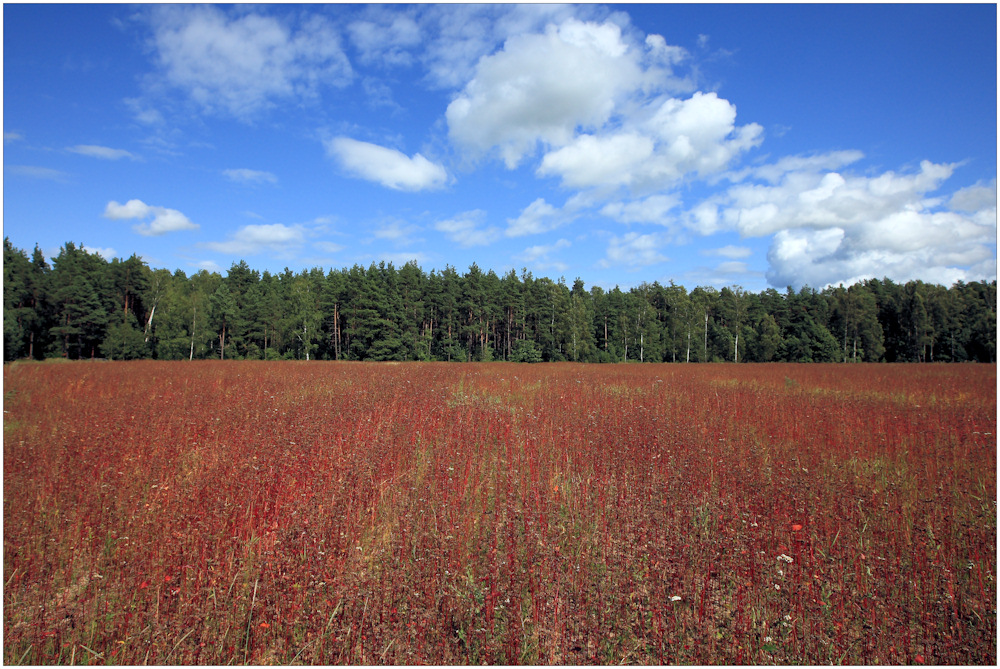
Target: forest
x,y
85,307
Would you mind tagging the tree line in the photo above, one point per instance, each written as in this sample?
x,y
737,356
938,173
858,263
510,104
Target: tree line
x,y
83,306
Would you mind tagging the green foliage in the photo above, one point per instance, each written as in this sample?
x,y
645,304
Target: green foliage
x,y
124,340
526,351
84,306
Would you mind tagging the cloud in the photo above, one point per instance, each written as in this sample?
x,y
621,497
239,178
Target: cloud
x,y
537,217
598,161
243,175
818,162
810,199
161,220
240,62
828,227
256,239
467,229
668,140
457,36
541,87
976,198
207,265
653,209
601,104
732,267
730,251
328,247
400,259
539,256
386,37
379,94
388,167
12,137
635,250
143,112
102,152
697,135
106,253
33,172
398,232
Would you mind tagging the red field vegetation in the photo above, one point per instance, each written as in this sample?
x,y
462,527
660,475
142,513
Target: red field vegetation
x,y
365,513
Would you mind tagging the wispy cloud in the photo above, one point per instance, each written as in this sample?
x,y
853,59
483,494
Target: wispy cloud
x,y
730,251
34,172
328,247
208,265
239,62
102,152
653,209
243,175
400,259
468,229
635,250
398,232
537,217
256,239
540,256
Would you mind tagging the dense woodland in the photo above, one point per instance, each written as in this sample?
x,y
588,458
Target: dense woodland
x,y
82,306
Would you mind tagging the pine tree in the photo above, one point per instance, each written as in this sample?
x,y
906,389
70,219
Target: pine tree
x,y
221,314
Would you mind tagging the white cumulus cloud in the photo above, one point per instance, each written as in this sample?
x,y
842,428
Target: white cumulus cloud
x,y
697,135
154,220
601,104
541,87
663,143
829,226
391,168
598,161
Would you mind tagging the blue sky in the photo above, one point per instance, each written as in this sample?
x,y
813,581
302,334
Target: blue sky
x,y
751,145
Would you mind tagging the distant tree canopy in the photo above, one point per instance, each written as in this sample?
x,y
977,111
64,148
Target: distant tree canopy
x,y
83,306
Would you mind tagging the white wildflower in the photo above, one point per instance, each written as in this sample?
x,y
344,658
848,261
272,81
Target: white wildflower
x,y
675,598
785,558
